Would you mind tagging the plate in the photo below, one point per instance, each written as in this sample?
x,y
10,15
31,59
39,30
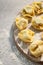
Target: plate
x,y
23,48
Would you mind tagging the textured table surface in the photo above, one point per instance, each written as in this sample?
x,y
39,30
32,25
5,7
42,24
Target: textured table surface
x,y
9,54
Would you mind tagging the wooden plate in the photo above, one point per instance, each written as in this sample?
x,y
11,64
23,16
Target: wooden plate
x,y
23,48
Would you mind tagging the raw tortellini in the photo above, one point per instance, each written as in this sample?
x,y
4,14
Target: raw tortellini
x,y
21,23
37,22
36,48
28,9
26,35
28,12
38,7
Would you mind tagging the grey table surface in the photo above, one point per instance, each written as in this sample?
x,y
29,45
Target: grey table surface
x,y
9,54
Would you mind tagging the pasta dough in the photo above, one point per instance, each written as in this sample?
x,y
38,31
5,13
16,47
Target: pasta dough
x,y
26,35
28,9
28,12
36,48
37,6
21,23
37,22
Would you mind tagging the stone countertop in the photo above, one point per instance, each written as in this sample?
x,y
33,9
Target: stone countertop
x,y
9,54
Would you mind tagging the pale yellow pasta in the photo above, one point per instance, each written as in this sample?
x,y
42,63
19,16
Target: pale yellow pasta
x,y
36,48
26,35
29,10
37,22
21,23
37,6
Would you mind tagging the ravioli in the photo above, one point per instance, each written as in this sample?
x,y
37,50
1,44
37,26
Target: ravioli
x,y
21,23
26,35
36,48
37,22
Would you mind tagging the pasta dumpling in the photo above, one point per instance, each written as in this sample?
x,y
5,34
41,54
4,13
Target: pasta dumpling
x,y
28,9
37,22
38,7
27,12
36,48
26,35
21,23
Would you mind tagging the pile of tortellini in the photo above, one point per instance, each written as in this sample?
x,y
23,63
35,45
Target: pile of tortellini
x,y
33,14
